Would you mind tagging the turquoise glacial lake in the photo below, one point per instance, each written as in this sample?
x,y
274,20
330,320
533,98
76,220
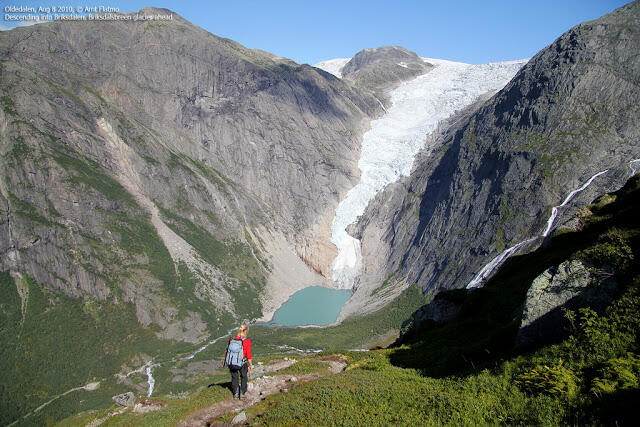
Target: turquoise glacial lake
x,y
315,305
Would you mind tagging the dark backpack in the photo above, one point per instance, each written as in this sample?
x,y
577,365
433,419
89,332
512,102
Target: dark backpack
x,y
235,354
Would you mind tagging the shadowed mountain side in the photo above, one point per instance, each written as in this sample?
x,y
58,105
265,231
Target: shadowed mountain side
x,y
568,113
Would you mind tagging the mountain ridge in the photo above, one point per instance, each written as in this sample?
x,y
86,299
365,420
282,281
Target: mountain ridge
x,y
160,189
155,192
209,116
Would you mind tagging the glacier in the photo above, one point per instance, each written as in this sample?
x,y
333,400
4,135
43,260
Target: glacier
x,y
390,145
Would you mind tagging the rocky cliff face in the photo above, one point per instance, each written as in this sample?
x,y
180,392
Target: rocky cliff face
x,y
157,164
569,113
380,69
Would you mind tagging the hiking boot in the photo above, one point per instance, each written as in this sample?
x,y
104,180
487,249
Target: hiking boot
x,y
241,396
236,396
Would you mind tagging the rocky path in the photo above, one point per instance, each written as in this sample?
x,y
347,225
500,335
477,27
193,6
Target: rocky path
x,y
260,388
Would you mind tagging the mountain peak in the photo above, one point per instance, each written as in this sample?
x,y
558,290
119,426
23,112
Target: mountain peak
x,y
387,55
156,10
381,69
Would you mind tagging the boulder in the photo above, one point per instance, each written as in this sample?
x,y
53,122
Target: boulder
x,y
240,418
124,399
258,371
572,285
144,405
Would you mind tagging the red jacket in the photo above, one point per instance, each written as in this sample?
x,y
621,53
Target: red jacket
x,y
246,347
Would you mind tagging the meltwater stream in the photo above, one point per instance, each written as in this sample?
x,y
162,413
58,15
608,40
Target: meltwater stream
x,y
389,147
554,211
495,263
151,382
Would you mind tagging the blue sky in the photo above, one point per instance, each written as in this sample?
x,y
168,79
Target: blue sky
x,y
308,31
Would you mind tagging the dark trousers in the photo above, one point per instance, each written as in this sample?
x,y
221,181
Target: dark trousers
x,y
239,374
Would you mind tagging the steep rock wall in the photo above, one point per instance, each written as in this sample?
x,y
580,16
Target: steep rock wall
x,y
569,113
139,156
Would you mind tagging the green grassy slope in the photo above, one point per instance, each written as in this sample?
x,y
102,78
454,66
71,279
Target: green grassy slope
x,y
74,223
52,343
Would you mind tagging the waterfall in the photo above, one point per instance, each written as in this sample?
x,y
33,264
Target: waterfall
x,y
554,211
149,369
213,341
634,170
495,263
150,380
389,147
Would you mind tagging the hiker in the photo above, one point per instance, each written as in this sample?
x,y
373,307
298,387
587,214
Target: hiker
x,y
238,359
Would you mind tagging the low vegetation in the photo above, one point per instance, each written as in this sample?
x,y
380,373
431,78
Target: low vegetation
x,y
77,341
177,407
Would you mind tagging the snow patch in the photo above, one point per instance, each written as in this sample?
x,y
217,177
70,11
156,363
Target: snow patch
x,y
333,66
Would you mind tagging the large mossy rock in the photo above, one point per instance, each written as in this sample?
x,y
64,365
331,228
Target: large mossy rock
x,y
571,285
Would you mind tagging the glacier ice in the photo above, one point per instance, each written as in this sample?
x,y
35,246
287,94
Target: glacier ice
x,y
388,148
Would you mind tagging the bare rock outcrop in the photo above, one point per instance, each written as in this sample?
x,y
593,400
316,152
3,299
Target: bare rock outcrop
x,y
382,68
139,172
125,399
570,285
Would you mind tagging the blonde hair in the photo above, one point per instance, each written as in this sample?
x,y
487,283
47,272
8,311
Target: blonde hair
x,y
243,330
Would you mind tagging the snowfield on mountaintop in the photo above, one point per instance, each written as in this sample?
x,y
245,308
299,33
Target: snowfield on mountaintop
x,y
333,66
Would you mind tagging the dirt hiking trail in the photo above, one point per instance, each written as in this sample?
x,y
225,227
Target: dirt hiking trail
x,y
260,388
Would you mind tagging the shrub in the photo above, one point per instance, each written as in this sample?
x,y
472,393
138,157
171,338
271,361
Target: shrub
x,y
583,213
554,381
604,200
616,374
612,249
376,363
